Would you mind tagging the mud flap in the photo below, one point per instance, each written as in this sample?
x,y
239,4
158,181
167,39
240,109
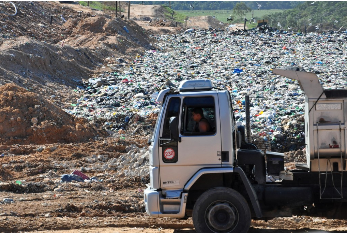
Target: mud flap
x,y
251,192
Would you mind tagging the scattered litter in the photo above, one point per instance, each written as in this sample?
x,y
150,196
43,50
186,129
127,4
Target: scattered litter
x,y
71,177
240,63
7,200
81,175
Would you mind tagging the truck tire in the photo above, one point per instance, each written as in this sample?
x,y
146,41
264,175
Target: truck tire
x,y
221,210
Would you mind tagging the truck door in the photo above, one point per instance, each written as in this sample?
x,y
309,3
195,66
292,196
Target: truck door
x,y
181,159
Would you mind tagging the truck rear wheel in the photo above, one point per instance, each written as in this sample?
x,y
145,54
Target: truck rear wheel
x,y
221,210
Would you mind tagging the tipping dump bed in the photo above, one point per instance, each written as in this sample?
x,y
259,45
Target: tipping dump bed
x,y
325,121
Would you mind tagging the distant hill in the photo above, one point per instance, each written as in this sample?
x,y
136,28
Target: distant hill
x,y
223,5
314,15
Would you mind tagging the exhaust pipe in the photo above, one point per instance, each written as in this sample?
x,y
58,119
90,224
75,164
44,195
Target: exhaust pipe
x,y
247,115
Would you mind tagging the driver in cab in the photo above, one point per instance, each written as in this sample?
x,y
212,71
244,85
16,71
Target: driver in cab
x,y
202,124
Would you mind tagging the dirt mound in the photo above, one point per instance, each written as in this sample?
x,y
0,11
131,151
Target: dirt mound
x,y
31,60
140,11
93,24
26,118
162,23
205,22
51,47
40,20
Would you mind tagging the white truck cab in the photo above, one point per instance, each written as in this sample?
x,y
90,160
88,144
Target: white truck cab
x,y
220,180
176,160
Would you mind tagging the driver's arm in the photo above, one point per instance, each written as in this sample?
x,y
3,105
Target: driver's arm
x,y
204,126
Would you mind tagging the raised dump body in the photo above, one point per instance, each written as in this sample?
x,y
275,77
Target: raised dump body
x,y
325,122
327,129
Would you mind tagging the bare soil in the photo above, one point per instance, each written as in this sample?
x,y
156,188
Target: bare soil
x,y
42,61
52,55
26,118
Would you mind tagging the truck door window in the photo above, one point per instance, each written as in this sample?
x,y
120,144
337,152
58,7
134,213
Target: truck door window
x,y
172,111
204,106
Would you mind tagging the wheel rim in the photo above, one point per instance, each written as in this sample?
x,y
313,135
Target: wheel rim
x,y
222,216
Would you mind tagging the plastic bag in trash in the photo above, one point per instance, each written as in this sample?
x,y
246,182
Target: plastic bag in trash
x,y
71,177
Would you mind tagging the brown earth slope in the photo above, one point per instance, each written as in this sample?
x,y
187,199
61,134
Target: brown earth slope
x,y
26,118
55,54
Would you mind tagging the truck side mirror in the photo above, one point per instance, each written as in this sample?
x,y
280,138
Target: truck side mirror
x,y
173,127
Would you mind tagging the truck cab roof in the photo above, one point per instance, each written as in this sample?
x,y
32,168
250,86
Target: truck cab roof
x,y
188,86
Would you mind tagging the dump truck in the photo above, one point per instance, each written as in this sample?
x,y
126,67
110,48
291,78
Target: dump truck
x,y
261,23
223,181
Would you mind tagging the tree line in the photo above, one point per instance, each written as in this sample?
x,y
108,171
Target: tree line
x,y
312,15
298,15
222,5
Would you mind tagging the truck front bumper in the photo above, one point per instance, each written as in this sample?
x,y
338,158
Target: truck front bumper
x,y
152,206
156,206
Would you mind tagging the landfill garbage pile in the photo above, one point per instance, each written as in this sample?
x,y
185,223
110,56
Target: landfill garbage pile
x,y
51,47
241,64
27,118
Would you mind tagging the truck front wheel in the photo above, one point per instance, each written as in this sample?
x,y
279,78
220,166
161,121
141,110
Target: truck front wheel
x,y
221,210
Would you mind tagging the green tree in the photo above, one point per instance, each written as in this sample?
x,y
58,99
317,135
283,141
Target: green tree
x,y
328,14
241,9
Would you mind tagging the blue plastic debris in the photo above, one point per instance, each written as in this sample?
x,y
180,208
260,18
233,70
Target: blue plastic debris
x,y
237,71
71,177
